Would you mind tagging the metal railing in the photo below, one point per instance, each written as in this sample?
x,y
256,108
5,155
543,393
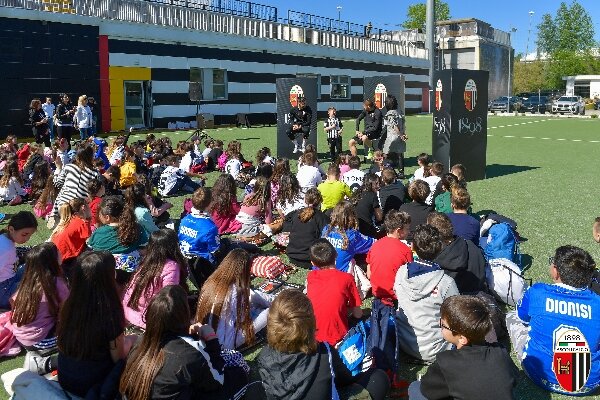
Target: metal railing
x,y
233,7
305,20
163,13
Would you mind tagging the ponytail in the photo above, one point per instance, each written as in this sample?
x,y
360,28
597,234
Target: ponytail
x,y
67,211
306,214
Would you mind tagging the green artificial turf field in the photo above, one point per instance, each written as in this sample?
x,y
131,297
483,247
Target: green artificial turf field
x,y
541,172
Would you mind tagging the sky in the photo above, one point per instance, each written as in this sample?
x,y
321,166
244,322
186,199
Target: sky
x,y
503,14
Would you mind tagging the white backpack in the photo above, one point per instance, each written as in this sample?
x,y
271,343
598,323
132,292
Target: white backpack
x,y
505,280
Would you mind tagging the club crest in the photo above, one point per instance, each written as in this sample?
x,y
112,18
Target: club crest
x,y
438,95
572,358
470,95
380,95
295,94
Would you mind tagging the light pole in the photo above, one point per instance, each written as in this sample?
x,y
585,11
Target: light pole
x,y
339,9
528,34
513,31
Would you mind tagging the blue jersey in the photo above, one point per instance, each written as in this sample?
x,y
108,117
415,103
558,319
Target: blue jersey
x,y
100,145
357,244
550,310
198,235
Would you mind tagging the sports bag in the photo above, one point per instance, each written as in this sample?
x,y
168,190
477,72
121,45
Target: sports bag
x,y
505,281
353,348
269,267
502,242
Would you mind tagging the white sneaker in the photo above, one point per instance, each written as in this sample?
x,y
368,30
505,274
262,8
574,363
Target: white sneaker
x,y
296,149
35,363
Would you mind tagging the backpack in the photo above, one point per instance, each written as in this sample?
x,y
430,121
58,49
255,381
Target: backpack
x,y
353,349
505,281
221,161
502,242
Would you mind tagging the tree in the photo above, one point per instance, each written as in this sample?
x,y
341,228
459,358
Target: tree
x,y
530,76
416,14
572,29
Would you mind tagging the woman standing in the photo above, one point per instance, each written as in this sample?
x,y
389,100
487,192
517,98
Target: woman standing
x,y
39,122
83,116
394,146
64,118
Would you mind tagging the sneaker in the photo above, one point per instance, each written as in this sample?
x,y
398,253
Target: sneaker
x,y
295,148
370,154
36,363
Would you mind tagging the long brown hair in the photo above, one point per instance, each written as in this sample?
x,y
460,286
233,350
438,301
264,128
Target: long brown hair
x,y
343,217
234,149
224,193
11,170
261,194
282,167
313,199
48,194
234,271
168,314
162,247
84,158
41,273
128,229
93,310
289,190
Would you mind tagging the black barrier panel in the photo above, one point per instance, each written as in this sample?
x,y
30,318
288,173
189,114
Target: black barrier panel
x,y
289,90
377,88
460,120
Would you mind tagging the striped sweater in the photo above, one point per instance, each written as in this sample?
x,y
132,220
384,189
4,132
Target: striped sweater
x,y
72,182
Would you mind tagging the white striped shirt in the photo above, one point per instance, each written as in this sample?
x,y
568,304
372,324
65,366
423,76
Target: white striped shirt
x,y
335,132
72,182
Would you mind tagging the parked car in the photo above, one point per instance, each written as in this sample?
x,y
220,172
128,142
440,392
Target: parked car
x,y
569,105
500,104
537,104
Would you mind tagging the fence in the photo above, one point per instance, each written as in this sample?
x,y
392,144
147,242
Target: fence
x,y
197,15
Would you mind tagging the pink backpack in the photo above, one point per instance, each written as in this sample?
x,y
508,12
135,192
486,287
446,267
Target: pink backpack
x,y
8,343
222,160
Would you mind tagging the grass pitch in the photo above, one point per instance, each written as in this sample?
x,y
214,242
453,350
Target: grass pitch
x,y
541,172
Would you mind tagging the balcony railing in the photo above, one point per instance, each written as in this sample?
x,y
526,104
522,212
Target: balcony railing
x,y
200,15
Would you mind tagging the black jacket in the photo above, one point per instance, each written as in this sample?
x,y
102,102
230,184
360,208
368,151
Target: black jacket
x,y
299,376
303,234
391,197
36,116
373,123
463,260
186,373
63,113
302,117
472,372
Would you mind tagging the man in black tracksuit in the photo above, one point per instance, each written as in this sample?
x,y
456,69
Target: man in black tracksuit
x,y
301,119
373,127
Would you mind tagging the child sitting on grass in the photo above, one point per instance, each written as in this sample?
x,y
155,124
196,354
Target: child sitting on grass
x,y
475,369
423,171
443,202
225,207
421,286
332,189
12,192
173,179
255,212
72,231
465,226
332,293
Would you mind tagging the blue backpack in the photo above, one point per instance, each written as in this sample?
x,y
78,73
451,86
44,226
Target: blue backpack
x,y
353,348
502,242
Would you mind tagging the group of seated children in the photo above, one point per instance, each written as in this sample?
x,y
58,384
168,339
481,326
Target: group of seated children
x,y
415,250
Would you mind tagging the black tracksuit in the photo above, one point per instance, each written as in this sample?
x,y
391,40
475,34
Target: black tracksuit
x,y
299,117
464,262
40,132
64,127
373,123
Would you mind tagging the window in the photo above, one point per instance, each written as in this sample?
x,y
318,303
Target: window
x,y
340,87
309,75
213,82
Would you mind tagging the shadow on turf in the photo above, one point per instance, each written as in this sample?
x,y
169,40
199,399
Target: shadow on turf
x,y
497,170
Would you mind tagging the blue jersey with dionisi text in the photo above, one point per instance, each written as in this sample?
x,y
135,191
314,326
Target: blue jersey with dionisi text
x,y
550,310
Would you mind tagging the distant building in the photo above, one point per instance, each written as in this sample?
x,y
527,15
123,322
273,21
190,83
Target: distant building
x,y
586,86
474,44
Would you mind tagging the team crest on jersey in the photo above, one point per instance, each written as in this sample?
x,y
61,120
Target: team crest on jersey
x,y
438,95
470,95
380,95
572,358
296,93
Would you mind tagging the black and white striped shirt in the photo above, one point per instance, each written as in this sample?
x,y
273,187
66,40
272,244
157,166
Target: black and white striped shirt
x,y
335,132
72,182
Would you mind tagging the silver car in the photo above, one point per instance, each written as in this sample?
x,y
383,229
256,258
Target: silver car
x,y
569,105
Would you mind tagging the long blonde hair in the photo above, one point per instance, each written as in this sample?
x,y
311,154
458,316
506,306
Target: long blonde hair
x,y
66,212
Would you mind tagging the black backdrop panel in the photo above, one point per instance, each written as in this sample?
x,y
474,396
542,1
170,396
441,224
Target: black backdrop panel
x,y
378,87
307,87
460,120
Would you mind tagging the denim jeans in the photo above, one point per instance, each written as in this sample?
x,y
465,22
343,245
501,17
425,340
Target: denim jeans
x,y
51,129
9,287
84,133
